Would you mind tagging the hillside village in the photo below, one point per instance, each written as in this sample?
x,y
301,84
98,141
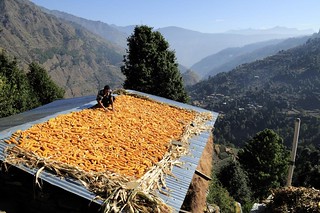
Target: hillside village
x,y
216,99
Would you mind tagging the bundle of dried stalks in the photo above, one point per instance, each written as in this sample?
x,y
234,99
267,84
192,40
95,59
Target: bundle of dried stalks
x,y
294,199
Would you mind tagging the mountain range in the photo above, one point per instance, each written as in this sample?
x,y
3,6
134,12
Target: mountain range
x,y
83,55
78,60
229,58
190,46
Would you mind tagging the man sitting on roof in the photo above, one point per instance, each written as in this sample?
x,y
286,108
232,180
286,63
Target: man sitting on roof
x,y
105,98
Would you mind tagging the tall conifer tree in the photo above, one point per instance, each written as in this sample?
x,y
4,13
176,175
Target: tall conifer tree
x,y
151,67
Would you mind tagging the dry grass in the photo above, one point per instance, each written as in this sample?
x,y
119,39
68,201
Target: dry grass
x,y
294,199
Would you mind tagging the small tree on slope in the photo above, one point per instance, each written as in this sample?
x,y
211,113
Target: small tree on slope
x,y
265,159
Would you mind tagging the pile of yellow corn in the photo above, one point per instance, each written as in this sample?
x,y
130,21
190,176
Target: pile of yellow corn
x,y
127,141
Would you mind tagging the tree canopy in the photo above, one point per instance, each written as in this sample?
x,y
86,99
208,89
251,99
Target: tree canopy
x,y
220,196
21,91
16,95
235,180
307,171
42,85
265,159
151,67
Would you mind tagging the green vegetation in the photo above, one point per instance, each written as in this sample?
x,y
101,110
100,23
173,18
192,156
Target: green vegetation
x,y
219,196
16,95
42,85
307,170
21,91
150,67
265,159
262,165
235,180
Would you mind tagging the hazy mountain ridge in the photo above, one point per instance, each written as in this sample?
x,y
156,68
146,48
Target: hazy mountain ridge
x,y
78,60
229,58
274,30
190,46
106,31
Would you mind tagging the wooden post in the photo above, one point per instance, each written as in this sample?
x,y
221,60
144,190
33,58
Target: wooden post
x,y
293,151
203,175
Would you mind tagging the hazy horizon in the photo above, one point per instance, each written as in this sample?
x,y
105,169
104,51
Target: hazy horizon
x,y
206,16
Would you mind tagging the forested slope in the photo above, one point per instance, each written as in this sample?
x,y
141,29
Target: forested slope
x,y
267,93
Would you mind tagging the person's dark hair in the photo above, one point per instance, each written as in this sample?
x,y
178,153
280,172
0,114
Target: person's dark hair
x,y
106,87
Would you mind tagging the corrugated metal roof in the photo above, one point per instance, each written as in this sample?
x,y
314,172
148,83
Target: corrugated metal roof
x,y
177,185
40,114
22,121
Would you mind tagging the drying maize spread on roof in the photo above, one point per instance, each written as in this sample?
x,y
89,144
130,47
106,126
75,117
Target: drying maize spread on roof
x,y
126,141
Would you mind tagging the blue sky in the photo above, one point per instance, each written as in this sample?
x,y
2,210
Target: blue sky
x,y
208,16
